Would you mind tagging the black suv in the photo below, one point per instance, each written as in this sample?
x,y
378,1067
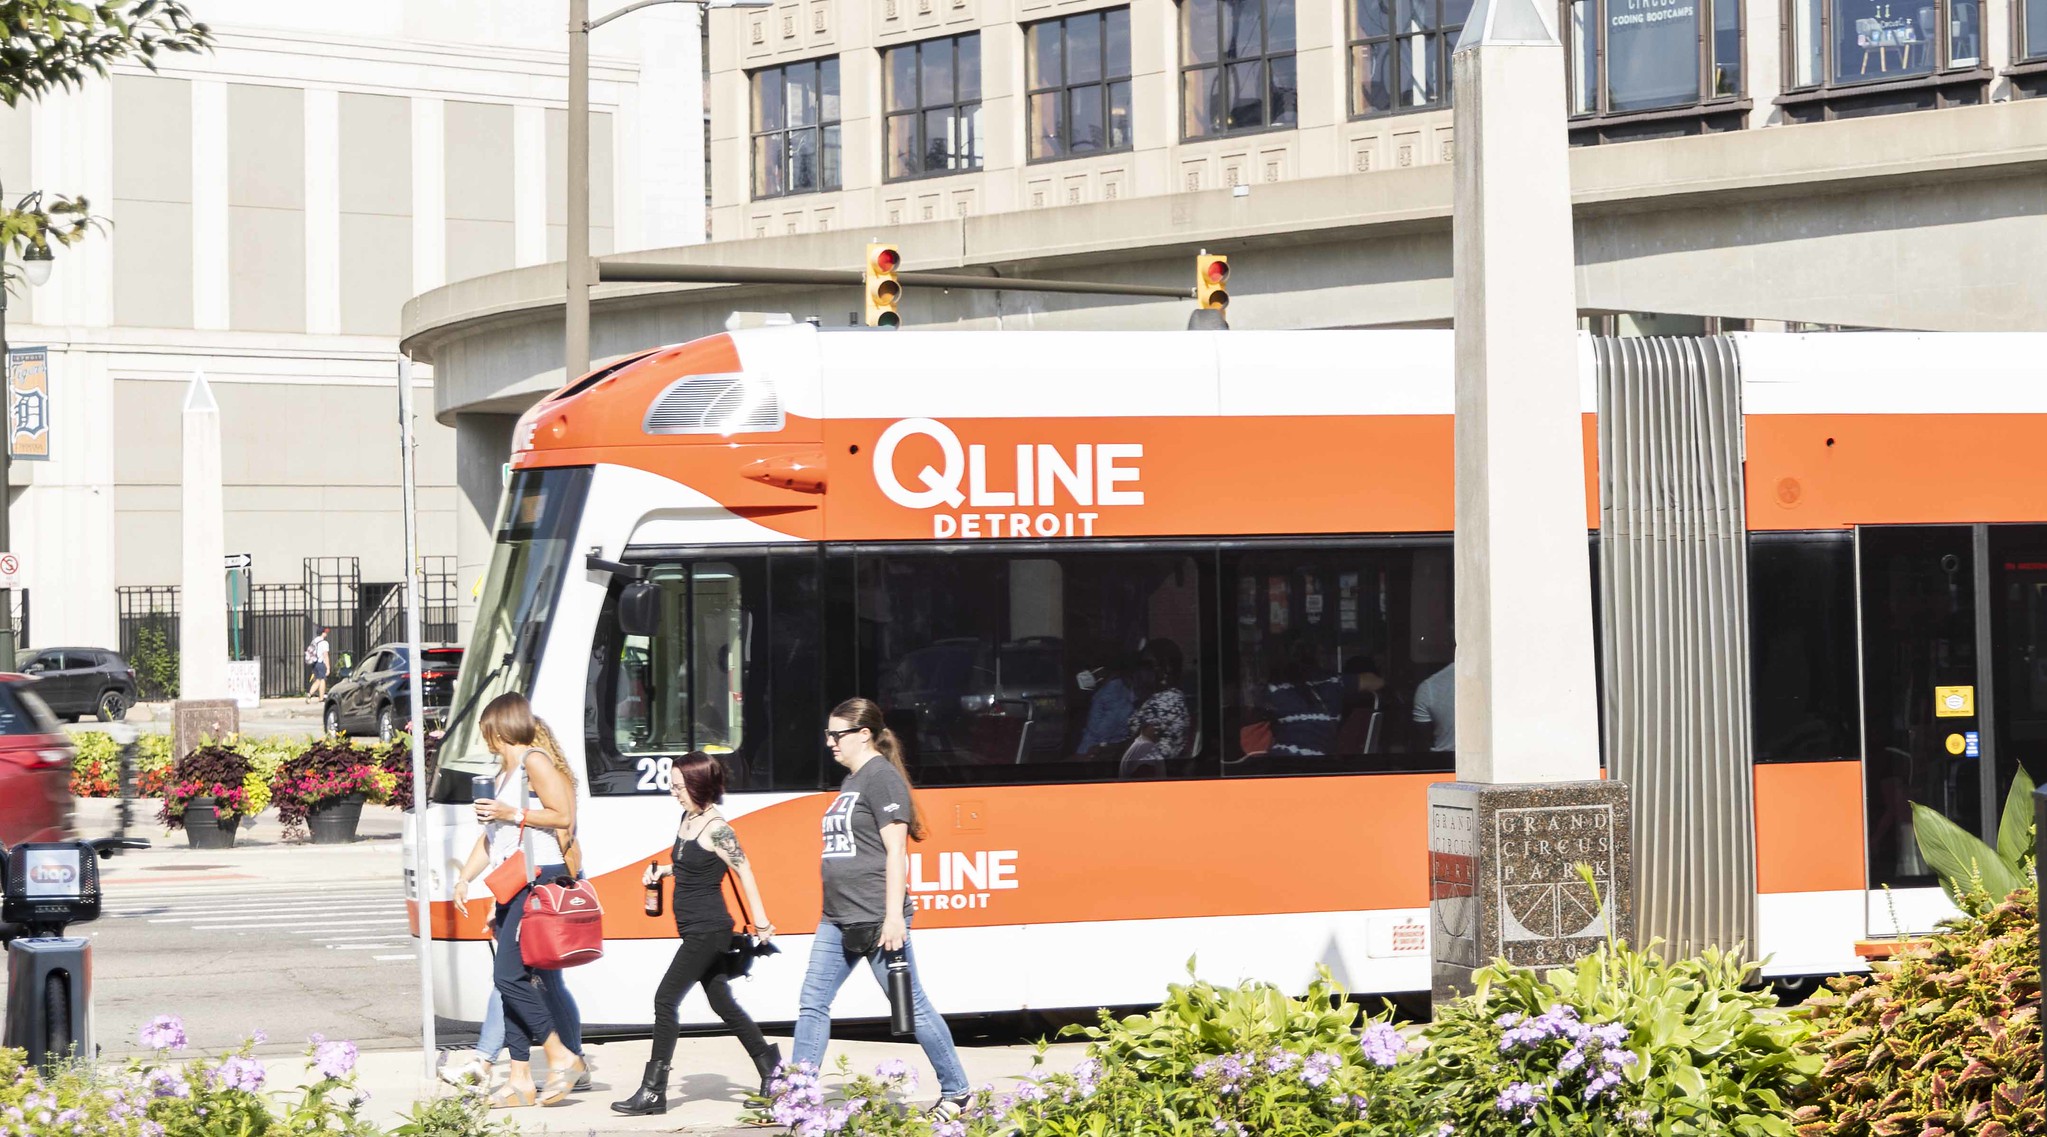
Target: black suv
x,y
375,695
77,681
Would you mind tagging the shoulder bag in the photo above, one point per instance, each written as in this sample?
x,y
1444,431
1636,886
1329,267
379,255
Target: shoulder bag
x,y
506,880
746,944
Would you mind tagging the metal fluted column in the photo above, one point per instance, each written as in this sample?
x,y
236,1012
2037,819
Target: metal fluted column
x,y
422,804
576,330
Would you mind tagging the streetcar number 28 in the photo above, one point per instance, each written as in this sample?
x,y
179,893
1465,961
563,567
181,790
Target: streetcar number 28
x,y
654,774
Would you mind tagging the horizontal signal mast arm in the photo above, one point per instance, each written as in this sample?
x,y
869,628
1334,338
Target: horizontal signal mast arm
x,y
640,272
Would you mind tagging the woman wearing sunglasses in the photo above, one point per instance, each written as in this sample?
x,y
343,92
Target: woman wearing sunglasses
x,y
866,867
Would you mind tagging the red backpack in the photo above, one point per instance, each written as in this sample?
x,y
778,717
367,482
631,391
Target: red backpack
x,y
563,925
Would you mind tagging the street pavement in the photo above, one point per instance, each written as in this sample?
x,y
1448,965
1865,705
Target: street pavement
x,y
293,939
290,716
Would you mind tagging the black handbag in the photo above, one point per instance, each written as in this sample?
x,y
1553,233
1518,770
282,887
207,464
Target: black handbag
x,y
746,946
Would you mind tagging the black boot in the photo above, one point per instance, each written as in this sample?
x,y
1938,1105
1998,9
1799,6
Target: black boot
x,y
767,1062
652,1096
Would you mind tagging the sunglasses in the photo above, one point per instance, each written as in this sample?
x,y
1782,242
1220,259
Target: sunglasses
x,y
836,735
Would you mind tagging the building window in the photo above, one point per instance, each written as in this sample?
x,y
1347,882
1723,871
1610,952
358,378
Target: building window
x,y
2033,29
933,94
1237,66
796,128
1643,55
1078,73
1400,53
1843,42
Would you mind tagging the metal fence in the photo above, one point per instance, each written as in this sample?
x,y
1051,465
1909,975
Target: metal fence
x,y
279,620
21,629
149,637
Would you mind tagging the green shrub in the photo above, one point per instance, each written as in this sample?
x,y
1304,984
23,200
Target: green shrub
x,y
463,1115
1942,1041
1624,1042
96,771
156,665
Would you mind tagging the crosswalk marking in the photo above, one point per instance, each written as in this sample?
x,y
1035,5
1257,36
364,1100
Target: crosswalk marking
x,y
353,917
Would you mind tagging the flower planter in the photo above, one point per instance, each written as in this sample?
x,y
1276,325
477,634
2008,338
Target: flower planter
x,y
206,828
334,822
1875,950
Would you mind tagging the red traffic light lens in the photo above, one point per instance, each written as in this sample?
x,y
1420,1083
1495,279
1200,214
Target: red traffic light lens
x,y
886,260
1218,272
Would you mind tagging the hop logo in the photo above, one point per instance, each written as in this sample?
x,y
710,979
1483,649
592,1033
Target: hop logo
x,y
53,874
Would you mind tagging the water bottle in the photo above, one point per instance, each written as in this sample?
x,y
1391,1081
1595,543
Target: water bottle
x,y
902,1013
654,891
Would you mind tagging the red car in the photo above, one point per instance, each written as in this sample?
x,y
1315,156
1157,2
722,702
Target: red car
x,y
35,767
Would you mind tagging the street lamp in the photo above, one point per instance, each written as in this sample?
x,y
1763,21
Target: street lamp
x,y
36,263
576,332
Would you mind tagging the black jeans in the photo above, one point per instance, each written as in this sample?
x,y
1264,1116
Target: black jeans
x,y
700,960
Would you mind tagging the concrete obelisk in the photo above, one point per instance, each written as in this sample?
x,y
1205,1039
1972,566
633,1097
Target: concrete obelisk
x,y
1528,807
203,708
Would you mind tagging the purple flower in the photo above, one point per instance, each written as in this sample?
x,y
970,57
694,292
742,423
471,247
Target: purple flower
x,y
1318,1069
1519,1095
1382,1044
1571,1060
1611,1034
245,1074
259,1036
164,1032
167,1084
953,1128
335,1059
892,1069
1281,1061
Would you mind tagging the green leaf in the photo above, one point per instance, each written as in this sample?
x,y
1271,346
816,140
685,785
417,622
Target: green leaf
x,y
1959,857
2015,828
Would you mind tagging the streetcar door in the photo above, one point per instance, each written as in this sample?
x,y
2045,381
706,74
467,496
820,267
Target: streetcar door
x,y
1954,663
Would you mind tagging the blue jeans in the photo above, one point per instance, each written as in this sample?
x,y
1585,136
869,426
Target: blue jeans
x,y
830,964
535,1003
490,1037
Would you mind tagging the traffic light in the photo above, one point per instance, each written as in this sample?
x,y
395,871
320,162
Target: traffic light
x,y
884,291
1210,276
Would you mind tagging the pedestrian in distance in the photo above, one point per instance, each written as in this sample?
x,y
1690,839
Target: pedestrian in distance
x,y
317,655
867,913
706,851
534,788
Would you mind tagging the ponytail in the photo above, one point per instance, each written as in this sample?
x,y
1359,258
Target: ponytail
x,y
865,713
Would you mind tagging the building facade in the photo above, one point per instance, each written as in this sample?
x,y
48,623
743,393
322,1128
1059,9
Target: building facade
x,y
268,208
888,112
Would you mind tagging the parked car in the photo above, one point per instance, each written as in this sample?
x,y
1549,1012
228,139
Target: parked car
x,y
35,766
375,697
78,681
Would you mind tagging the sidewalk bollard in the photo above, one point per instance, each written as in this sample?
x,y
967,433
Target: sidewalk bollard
x,y
126,736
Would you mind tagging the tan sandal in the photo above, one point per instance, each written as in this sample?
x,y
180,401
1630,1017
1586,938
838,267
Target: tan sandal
x,y
512,1097
584,1070
556,1090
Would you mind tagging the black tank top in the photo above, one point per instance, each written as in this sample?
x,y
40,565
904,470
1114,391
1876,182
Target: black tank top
x,y
699,890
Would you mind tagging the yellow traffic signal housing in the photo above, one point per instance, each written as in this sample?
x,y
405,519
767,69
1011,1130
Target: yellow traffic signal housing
x,y
883,291
1211,275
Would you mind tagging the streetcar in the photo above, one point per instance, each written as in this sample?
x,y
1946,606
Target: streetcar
x,y
1012,540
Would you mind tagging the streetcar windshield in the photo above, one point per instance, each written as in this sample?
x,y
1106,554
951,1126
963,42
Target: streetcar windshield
x,y
535,535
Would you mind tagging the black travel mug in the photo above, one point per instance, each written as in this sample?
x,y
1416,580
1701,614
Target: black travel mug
x,y
482,787
902,1012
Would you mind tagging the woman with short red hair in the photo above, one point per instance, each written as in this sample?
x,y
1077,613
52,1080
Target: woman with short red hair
x,y
705,850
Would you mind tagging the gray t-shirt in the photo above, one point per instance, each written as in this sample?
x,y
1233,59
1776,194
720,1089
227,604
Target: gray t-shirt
x,y
855,861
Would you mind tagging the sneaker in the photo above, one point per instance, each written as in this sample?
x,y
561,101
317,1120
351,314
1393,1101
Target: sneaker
x,y
471,1073
949,1108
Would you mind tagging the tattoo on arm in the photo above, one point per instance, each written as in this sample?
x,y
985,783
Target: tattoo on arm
x,y
727,843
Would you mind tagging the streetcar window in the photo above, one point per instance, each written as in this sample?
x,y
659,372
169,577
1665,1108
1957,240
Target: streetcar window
x,y
1802,677
1035,667
1338,660
703,679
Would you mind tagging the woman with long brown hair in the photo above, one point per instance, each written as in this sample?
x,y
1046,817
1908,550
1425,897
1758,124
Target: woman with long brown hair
x,y
706,852
534,789
866,867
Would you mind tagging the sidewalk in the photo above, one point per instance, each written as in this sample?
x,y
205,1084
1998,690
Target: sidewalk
x,y
707,1093
156,716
